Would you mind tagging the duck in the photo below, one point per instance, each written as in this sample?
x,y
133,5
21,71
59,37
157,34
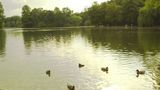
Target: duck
x,y
48,72
140,72
80,65
104,69
158,66
71,87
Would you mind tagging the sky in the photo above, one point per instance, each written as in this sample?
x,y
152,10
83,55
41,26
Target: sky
x,y
13,7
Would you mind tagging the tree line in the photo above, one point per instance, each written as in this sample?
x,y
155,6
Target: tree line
x,y
38,17
144,13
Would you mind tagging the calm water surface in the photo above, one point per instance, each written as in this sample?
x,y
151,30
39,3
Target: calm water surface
x,y
25,55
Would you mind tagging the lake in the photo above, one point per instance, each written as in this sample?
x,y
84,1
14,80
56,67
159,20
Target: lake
x,y
26,55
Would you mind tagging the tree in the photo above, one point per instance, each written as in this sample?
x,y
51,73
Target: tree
x,y
1,15
130,11
58,17
85,18
106,13
48,18
95,14
37,17
14,21
75,19
149,14
113,14
26,18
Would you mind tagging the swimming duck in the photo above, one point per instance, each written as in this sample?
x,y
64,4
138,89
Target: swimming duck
x,y
158,66
104,69
140,72
48,72
71,87
80,65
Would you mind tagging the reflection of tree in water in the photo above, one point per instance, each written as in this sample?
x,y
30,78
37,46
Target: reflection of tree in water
x,y
123,40
150,42
2,42
146,43
114,39
42,37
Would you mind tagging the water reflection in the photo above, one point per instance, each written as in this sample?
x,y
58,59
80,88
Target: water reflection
x,y
40,37
139,41
2,42
149,40
146,43
61,54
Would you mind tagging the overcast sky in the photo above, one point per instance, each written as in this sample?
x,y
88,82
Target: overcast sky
x,y
13,7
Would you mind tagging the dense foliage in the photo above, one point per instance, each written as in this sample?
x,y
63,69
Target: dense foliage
x,y
14,21
38,17
115,12
149,15
1,15
111,13
125,12
26,16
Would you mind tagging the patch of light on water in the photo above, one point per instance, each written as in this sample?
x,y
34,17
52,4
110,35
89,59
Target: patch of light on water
x,y
113,87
